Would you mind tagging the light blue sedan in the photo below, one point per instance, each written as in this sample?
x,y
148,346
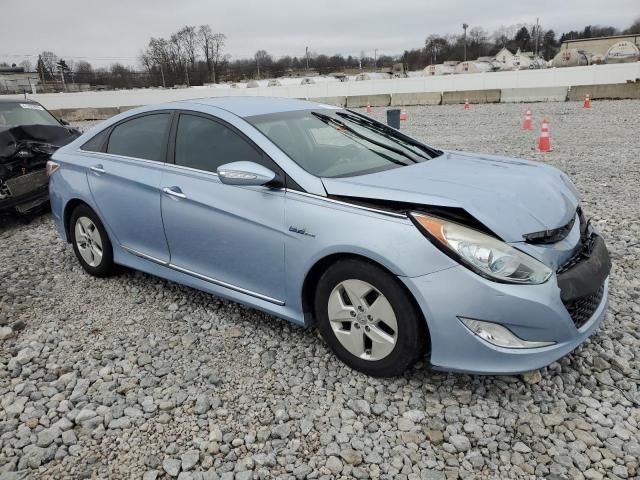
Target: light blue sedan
x,y
325,217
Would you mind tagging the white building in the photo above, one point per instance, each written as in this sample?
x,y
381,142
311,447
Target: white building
x,y
505,57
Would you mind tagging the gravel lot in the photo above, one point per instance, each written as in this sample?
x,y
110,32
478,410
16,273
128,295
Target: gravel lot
x,y
136,377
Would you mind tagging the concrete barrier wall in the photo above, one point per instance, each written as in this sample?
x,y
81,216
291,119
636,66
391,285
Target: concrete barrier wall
x,y
474,96
337,101
601,92
542,94
78,114
373,100
549,77
416,98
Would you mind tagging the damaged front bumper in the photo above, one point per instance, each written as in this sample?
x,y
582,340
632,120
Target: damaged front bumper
x,y
559,314
24,192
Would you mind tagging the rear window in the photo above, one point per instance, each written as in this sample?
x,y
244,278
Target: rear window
x,y
97,142
142,137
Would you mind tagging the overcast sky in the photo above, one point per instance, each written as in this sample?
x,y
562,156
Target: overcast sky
x,y
105,31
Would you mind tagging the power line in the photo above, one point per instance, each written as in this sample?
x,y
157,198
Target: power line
x,y
75,57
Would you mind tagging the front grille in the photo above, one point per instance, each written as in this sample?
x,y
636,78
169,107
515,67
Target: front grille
x,y
27,183
572,262
581,309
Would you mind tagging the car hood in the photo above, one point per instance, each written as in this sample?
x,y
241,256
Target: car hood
x,y
13,138
511,197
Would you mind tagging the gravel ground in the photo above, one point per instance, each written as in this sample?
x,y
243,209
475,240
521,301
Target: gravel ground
x,y
136,377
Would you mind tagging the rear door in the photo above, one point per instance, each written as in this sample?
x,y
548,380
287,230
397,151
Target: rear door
x,y
124,179
229,235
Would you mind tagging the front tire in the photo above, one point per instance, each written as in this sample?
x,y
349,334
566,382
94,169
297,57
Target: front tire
x,y
90,242
368,319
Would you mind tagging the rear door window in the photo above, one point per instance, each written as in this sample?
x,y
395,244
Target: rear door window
x,y
142,137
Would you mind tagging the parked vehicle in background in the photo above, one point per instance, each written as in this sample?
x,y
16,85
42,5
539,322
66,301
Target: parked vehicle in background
x,y
29,134
328,218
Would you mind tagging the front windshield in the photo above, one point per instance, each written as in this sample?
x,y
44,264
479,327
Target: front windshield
x,y
340,143
13,114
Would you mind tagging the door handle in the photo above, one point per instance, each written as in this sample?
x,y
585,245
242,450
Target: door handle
x,y
97,168
174,192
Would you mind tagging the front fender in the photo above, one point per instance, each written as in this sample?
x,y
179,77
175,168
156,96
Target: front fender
x,y
318,228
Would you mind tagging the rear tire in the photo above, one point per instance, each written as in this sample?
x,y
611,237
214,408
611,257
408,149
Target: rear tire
x,y
90,242
368,319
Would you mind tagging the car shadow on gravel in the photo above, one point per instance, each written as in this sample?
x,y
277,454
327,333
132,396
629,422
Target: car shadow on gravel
x,y
13,219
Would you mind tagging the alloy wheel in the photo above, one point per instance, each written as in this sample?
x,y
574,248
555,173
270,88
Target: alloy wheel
x,y
88,241
362,320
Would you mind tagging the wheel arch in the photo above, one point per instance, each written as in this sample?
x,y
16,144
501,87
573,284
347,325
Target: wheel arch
x,y
66,216
321,265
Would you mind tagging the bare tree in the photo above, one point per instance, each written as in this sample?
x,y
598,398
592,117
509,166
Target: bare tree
x,y
205,40
262,58
435,44
190,54
217,52
27,65
188,37
49,62
83,67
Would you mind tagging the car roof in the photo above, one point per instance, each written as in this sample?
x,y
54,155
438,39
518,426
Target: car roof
x,y
250,106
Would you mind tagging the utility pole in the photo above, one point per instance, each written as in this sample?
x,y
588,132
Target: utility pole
x,y
375,59
41,65
306,52
537,38
258,63
162,74
464,27
64,86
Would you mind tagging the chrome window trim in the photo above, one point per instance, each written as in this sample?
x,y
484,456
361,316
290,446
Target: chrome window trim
x,y
339,202
120,157
144,160
204,277
190,169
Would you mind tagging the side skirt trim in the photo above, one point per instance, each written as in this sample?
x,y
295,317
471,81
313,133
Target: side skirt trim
x,y
220,283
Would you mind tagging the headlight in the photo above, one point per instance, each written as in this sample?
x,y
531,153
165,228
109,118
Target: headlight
x,y
481,253
45,148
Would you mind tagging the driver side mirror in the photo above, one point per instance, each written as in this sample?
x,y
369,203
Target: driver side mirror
x,y
245,173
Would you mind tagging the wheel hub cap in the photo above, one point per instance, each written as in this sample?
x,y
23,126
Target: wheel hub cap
x,y
362,319
88,241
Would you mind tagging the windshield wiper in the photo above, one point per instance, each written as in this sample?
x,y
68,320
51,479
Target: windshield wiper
x,y
330,120
390,133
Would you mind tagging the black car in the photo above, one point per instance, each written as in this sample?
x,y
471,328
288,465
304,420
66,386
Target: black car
x,y
29,134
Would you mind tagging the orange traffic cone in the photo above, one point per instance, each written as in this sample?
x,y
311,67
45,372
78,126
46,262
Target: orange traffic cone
x,y
368,107
466,104
544,144
527,125
403,114
587,101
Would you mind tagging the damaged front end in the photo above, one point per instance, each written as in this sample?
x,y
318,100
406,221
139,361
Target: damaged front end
x,y
24,152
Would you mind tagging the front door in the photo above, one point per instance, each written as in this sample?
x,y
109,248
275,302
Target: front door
x,y
230,235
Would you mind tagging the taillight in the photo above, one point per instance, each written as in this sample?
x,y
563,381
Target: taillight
x,y
52,167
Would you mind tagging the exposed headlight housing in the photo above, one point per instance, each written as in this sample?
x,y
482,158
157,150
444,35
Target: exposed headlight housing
x,y
482,253
499,335
45,148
